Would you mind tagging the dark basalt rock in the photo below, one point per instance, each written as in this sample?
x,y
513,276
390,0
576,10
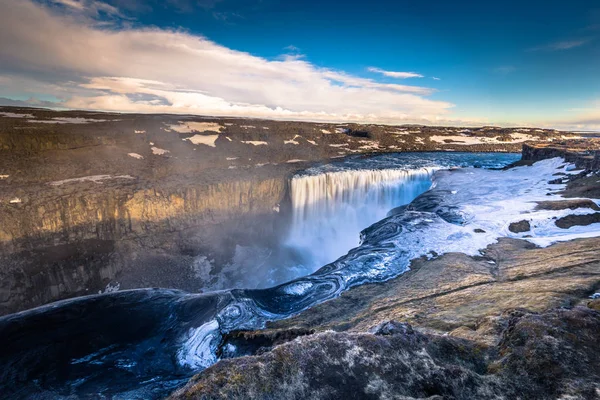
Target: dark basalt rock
x,y
567,205
358,133
519,227
577,220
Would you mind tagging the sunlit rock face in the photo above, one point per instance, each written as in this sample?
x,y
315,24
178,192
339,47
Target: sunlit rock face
x,y
78,237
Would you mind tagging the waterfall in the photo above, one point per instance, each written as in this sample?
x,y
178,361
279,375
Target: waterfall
x,y
330,209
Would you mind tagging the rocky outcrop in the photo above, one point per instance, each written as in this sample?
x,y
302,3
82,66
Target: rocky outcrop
x,y
455,293
518,227
538,357
584,153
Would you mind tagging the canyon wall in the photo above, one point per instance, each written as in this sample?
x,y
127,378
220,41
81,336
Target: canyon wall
x,y
58,245
91,201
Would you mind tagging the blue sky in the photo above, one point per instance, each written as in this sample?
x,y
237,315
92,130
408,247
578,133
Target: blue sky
x,y
472,62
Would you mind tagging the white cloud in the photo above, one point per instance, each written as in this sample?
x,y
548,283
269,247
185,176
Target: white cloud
x,y
395,74
154,70
435,78
71,3
561,45
91,8
587,118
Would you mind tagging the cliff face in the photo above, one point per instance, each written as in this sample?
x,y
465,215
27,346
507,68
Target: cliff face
x,y
92,199
122,212
59,245
583,153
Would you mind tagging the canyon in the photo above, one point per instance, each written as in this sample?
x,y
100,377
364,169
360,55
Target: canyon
x,y
292,249
94,201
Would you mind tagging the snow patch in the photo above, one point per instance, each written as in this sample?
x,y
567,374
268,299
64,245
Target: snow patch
x,y
158,151
370,146
464,140
255,142
297,288
198,349
189,127
136,156
66,120
110,288
94,178
16,115
293,141
207,140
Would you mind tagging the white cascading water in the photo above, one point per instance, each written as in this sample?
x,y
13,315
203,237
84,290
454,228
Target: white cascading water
x,y
332,208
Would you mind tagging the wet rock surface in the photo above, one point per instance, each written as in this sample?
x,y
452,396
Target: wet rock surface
x,y
577,220
568,205
519,227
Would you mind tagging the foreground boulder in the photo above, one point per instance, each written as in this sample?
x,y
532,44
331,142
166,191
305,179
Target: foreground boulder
x,y
540,356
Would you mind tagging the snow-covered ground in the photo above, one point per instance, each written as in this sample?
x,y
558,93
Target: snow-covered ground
x,y
207,140
158,151
189,127
255,142
16,115
93,178
471,140
66,120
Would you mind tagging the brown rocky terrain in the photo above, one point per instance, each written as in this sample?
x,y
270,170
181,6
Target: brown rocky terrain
x,y
516,322
91,199
537,357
